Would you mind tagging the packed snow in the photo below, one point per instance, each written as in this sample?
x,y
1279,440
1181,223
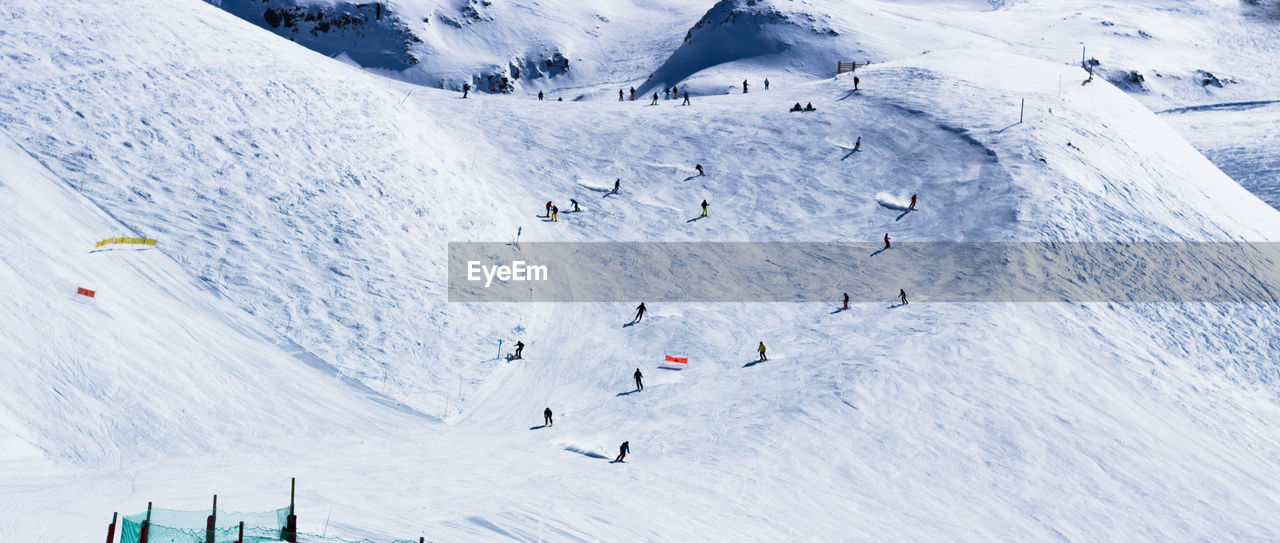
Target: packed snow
x,y
292,319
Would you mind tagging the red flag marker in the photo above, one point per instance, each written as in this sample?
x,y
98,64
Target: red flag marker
x,y
84,292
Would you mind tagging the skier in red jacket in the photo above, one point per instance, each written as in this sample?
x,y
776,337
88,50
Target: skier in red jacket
x,y
886,240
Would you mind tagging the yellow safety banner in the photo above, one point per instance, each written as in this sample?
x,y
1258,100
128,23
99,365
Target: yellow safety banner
x,y
129,241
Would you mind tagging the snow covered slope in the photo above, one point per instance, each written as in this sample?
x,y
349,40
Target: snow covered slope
x,y
1241,138
306,203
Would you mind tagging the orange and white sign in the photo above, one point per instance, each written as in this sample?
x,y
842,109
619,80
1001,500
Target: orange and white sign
x,y
675,362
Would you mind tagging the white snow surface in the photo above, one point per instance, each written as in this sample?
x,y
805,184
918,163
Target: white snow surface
x,y
292,320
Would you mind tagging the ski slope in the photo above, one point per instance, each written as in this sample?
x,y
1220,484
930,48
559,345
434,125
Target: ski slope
x,y
292,319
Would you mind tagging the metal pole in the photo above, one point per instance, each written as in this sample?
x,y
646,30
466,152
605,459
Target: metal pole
x,y
146,526
212,522
291,523
1022,110
111,530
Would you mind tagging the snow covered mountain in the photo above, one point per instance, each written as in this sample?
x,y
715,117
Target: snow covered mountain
x,y
292,319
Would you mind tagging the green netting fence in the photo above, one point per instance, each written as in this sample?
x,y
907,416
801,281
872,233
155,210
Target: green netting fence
x,y
169,526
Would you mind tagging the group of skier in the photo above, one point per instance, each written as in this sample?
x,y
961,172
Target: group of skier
x,y
671,93
552,214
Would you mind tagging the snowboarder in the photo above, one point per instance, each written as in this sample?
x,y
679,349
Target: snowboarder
x,y
519,350
744,86
761,349
546,417
666,93
886,240
846,301
857,145
623,450
619,95
639,314
855,82
809,107
639,377
704,209
797,107
560,99
655,99
539,95
548,209
698,166
686,98
575,205
633,94
555,212
617,184
466,87
675,92
766,83
902,295
912,207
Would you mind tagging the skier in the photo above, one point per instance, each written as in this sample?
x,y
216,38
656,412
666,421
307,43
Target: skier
x,y
855,82
623,450
902,295
766,83
886,240
619,95
797,107
704,209
744,86
846,301
639,314
575,205
675,92
633,94
639,377
912,207
546,417
698,166
761,349
686,98
539,95
655,99
555,212
857,145
519,350
617,184
548,209
466,87
666,93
